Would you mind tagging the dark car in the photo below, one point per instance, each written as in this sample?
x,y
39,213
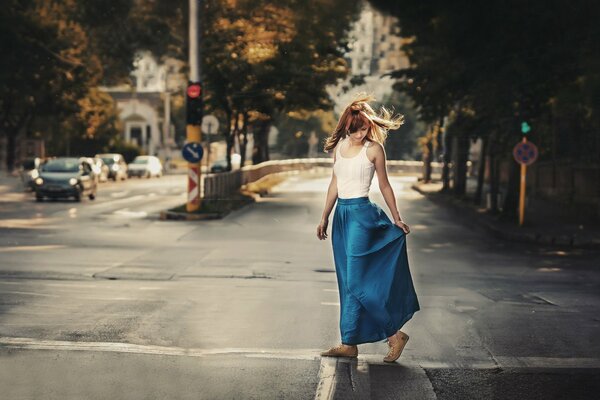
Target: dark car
x,y
65,177
117,167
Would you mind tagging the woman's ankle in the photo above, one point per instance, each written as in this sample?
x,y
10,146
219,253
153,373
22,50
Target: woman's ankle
x,y
395,338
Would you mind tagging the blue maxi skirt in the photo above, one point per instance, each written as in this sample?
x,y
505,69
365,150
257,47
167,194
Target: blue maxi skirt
x,y
377,296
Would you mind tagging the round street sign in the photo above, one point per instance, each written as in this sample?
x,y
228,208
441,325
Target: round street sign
x,y
193,90
192,152
210,124
525,153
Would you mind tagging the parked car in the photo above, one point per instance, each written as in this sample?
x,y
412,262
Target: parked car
x,y
66,177
96,164
28,172
145,166
219,166
117,167
100,169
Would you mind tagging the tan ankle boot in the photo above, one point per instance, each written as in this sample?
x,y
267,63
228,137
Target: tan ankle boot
x,y
341,351
396,348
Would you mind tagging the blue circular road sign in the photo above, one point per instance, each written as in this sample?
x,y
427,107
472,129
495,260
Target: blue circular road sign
x,y
525,153
192,152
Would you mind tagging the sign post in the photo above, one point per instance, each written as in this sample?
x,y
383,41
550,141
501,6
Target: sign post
x,y
525,153
194,111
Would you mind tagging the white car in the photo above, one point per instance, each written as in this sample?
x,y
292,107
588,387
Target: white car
x,y
145,166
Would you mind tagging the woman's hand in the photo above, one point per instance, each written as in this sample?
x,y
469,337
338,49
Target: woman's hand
x,y
402,226
322,229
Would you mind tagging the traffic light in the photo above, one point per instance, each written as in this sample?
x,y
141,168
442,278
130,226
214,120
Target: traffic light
x,y
525,128
194,103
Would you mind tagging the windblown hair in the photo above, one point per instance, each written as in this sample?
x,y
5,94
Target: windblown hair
x,y
357,114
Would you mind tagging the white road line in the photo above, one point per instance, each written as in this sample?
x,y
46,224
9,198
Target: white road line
x,y
116,347
326,303
71,285
330,290
30,293
326,386
127,213
32,248
119,194
328,364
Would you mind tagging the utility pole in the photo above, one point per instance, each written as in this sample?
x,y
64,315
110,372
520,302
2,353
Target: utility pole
x,y
194,111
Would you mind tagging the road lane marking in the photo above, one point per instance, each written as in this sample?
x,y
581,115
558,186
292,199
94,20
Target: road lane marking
x,y
410,361
330,290
326,303
31,248
127,213
30,293
119,194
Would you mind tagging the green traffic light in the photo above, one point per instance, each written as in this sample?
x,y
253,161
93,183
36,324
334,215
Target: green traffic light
x,y
525,127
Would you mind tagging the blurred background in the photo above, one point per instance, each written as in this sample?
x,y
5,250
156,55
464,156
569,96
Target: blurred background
x,y
496,170
80,78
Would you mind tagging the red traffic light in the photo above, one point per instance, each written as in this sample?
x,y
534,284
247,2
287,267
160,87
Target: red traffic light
x,y
194,90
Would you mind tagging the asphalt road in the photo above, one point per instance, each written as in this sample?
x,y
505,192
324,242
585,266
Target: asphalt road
x,y
100,300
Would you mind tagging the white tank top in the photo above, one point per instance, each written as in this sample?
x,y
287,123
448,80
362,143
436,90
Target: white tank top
x,y
354,174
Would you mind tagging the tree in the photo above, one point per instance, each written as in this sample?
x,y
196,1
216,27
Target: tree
x,y
496,63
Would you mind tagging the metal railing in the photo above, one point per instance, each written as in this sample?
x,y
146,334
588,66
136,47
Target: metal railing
x,y
223,184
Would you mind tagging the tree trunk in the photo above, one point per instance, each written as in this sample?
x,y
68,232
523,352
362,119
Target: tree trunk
x,y
10,151
511,201
229,139
494,175
244,144
261,142
427,161
460,165
478,198
447,157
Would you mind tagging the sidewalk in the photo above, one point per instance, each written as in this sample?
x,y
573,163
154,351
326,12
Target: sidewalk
x,y
540,227
10,184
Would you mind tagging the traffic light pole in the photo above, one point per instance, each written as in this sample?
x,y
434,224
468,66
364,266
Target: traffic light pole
x,y
194,106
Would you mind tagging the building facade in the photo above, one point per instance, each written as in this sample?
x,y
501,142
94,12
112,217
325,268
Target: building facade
x,y
375,49
145,105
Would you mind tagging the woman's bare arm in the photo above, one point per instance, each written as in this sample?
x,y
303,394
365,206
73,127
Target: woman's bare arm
x,y
379,159
330,200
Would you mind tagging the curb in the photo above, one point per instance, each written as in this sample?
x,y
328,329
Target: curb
x,y
521,237
180,216
184,216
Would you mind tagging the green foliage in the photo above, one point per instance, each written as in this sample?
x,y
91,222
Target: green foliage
x,y
259,59
295,131
264,58
500,62
401,143
128,150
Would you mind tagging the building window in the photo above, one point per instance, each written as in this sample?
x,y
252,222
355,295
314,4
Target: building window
x,y
383,37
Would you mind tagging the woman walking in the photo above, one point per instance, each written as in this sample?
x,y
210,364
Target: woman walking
x,y
376,292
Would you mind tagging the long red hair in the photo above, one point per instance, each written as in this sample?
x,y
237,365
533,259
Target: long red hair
x,y
357,114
